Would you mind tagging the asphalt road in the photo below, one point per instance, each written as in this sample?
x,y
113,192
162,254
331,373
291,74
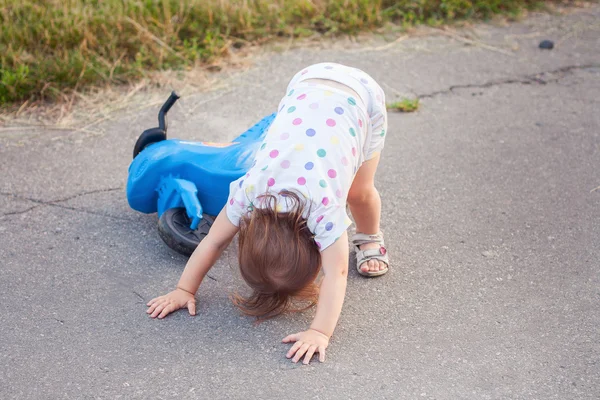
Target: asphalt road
x,y
491,207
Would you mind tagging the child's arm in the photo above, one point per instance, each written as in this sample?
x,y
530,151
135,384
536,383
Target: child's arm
x,y
206,254
334,260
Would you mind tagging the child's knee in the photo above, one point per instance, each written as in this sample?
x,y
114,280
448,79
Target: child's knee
x,y
362,195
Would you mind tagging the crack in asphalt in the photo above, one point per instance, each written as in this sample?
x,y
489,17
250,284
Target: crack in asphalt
x,y
63,199
92,212
140,296
525,80
22,211
56,203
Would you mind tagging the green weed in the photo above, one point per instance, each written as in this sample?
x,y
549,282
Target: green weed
x,y
404,105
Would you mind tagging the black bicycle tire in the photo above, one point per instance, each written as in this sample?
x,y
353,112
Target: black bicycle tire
x,y
173,229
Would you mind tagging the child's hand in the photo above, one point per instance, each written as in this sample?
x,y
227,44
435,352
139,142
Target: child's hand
x,y
164,305
307,342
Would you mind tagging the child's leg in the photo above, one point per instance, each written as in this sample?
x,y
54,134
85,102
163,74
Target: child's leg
x,y
365,205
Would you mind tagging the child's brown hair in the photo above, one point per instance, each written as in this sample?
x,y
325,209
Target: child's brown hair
x,y
278,257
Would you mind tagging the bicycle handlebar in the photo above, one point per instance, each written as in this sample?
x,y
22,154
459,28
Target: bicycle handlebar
x,y
165,109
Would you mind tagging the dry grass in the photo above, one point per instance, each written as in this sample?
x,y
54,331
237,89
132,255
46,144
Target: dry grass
x,y
50,49
84,112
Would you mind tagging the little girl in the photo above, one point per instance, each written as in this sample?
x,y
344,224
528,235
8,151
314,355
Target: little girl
x,y
319,155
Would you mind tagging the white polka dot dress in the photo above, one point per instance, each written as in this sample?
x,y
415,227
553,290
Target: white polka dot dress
x,y
315,145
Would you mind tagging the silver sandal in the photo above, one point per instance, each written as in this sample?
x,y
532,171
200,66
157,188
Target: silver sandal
x,y
358,239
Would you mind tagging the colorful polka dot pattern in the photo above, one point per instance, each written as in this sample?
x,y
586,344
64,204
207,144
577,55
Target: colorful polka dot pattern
x,y
312,147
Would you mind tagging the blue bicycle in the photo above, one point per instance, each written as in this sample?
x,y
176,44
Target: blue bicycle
x,y
187,183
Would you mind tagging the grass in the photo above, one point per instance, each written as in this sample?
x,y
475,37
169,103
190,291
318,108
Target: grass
x,y
404,105
50,48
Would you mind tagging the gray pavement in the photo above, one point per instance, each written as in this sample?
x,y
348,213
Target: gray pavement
x,y
491,207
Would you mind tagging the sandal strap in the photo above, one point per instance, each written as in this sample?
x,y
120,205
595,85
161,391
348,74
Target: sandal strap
x,y
372,254
358,239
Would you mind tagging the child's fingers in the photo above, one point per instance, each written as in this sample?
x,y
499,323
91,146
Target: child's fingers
x,y
309,353
153,307
167,310
295,347
191,305
153,301
322,353
301,352
291,338
158,309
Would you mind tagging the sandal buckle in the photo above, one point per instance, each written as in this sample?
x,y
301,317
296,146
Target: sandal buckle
x,y
382,250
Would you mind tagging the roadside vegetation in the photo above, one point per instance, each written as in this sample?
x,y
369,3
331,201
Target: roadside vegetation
x,y
49,48
404,105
